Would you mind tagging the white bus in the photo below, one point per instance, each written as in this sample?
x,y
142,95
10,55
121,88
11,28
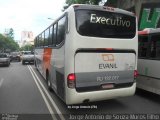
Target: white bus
x,y
89,54
149,60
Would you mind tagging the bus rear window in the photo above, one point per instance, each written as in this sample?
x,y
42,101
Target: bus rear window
x,y
105,24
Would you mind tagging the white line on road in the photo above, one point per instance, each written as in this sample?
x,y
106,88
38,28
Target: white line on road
x,y
45,99
49,96
1,81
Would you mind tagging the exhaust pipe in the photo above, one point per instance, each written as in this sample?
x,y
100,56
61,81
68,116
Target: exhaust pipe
x,y
86,101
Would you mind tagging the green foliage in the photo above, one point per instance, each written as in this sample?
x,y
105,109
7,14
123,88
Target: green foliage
x,y
10,33
27,48
93,2
7,43
111,3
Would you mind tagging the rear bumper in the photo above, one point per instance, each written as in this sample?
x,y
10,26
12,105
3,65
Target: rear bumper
x,y
28,60
73,97
4,63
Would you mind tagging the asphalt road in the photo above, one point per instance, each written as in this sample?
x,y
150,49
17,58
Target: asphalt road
x,y
19,93
24,94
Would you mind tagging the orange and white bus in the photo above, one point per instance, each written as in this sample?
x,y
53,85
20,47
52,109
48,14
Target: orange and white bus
x,y
89,54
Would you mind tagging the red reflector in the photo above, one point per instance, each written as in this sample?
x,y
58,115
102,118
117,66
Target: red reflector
x,y
104,49
109,48
71,77
135,73
142,32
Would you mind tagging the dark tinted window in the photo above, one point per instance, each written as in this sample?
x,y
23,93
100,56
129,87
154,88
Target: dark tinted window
x,y
149,46
155,46
43,37
3,56
105,24
40,40
50,35
143,45
54,34
61,30
28,53
46,40
36,42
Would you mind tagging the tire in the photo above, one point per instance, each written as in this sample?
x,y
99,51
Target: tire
x,y
48,81
35,64
23,62
32,62
8,64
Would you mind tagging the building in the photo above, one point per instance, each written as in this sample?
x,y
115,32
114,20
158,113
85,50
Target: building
x,y
27,38
147,11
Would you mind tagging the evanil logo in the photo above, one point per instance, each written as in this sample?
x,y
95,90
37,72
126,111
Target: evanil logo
x,y
109,21
109,62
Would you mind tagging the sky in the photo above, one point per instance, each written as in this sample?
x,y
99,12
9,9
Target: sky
x,y
28,15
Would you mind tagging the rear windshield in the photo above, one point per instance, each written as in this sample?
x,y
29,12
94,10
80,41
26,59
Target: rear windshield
x,y
28,53
15,53
105,24
3,56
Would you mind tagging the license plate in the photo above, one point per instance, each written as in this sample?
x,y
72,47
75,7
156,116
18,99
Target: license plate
x,y
108,86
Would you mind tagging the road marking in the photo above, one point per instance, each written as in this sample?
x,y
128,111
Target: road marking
x,y
49,96
45,99
1,81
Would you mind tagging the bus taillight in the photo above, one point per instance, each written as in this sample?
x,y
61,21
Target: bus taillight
x,y
71,80
135,73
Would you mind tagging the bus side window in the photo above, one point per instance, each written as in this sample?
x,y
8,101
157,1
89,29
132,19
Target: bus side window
x,y
50,37
40,40
153,49
46,39
61,30
157,46
54,35
35,42
158,49
143,45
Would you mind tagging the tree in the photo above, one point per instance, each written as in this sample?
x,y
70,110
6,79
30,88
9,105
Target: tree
x,y
27,48
8,43
112,3
93,2
10,33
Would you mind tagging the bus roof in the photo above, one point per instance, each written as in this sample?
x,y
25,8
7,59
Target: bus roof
x,y
103,8
147,31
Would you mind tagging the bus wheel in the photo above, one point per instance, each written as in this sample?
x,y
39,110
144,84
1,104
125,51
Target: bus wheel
x,y
48,81
35,64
